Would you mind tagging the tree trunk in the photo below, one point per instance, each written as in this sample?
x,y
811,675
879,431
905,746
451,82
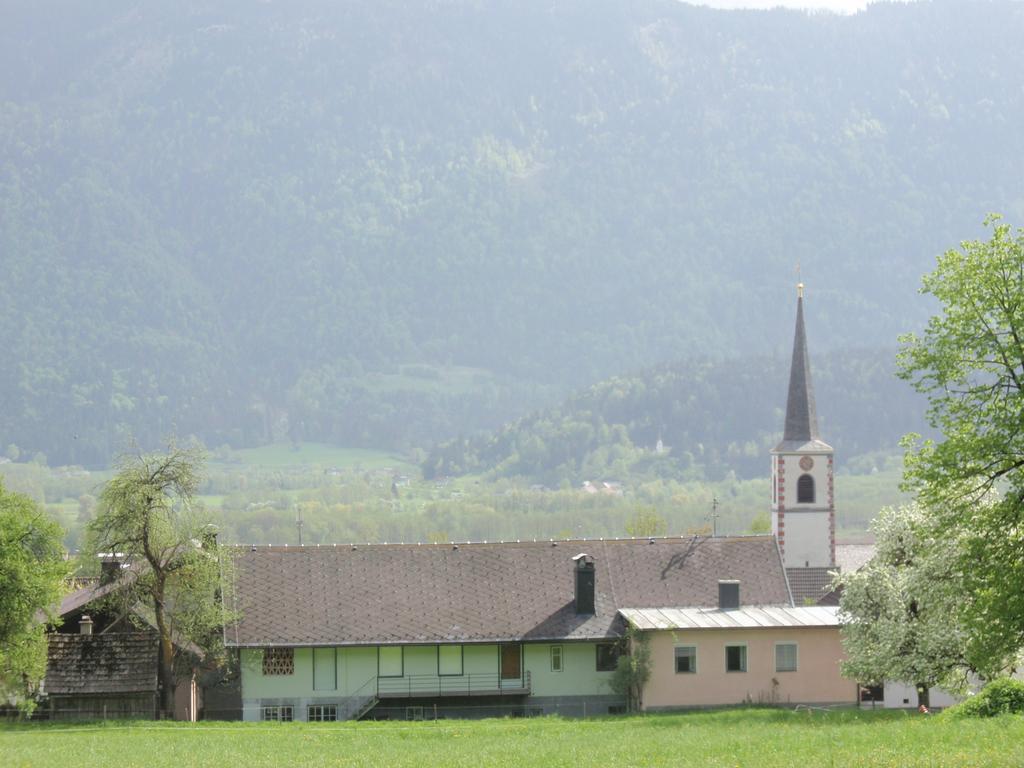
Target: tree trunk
x,y
165,662
923,693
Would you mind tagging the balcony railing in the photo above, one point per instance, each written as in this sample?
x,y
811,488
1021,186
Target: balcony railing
x,y
476,684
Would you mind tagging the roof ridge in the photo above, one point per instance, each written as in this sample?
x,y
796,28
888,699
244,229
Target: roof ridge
x,y
498,542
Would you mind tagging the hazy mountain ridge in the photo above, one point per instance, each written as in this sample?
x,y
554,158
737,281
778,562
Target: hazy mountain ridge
x,y
226,218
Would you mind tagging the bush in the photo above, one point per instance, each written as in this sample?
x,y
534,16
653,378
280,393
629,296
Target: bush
x,y
1004,696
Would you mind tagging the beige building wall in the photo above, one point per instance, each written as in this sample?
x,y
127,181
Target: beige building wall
x,y
815,681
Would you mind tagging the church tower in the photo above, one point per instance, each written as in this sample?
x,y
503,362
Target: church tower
x,y
803,509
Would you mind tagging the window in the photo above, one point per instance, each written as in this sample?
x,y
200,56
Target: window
x,y
608,656
785,657
686,659
805,490
277,714
735,658
279,661
872,693
449,660
556,658
389,661
322,713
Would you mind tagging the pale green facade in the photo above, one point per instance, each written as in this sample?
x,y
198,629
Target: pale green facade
x,y
554,677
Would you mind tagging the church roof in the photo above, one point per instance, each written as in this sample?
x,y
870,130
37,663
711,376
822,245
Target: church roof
x,y
801,431
809,585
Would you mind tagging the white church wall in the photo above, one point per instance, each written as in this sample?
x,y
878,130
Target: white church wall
x,y
807,537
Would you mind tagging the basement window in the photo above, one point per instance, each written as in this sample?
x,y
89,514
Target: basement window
x,y
279,661
322,713
277,714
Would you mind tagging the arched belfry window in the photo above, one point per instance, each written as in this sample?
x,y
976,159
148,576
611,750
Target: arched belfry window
x,y
805,490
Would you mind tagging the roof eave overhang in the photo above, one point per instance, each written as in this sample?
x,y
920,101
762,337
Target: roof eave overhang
x,y
421,641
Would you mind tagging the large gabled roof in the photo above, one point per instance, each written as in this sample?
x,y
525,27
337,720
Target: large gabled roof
x,y
483,592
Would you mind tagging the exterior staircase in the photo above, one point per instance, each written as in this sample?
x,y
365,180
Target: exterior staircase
x,y
361,702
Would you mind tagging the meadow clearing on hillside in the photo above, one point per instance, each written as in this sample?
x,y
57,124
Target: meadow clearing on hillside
x,y
758,737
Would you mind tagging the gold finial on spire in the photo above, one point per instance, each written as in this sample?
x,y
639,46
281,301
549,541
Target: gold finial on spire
x,y
799,282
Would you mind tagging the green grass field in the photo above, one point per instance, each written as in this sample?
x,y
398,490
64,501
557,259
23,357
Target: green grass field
x,y
763,738
284,455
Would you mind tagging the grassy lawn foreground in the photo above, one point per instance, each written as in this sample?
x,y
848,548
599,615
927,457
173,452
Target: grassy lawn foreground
x,y
733,738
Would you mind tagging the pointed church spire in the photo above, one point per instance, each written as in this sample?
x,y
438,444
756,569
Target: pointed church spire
x,y
801,415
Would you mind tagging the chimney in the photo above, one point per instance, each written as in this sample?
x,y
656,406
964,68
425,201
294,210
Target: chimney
x,y
585,583
728,594
85,625
110,567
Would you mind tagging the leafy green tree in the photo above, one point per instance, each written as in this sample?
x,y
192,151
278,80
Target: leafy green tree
x,y
900,612
646,522
147,514
761,523
633,669
970,363
32,570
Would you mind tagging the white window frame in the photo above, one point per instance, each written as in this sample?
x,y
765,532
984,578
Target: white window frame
x,y
557,658
796,655
692,656
277,713
321,713
744,663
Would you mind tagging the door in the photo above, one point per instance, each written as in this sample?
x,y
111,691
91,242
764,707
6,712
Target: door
x,y
511,662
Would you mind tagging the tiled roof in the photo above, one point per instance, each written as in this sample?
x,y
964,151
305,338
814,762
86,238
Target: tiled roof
x,y
853,557
386,593
122,662
809,584
82,597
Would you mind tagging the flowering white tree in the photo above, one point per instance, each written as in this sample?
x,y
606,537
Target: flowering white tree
x,y
901,611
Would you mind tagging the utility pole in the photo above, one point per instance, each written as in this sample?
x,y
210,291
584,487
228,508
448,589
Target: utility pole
x,y
298,522
714,516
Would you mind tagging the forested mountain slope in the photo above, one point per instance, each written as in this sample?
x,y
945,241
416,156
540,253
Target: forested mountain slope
x,y
712,420
386,223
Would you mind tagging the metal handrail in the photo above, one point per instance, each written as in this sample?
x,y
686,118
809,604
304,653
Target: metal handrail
x,y
437,685
362,696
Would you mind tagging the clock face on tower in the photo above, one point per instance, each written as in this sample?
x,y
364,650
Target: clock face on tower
x,y
806,463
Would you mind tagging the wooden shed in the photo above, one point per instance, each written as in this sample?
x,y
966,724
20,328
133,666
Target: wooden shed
x,y
101,676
